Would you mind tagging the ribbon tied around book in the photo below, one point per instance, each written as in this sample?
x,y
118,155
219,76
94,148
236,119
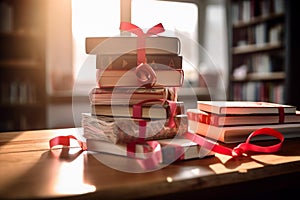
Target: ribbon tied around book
x,y
152,150
171,107
242,148
144,72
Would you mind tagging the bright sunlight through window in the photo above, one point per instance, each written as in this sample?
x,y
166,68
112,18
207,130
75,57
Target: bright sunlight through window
x,y
90,18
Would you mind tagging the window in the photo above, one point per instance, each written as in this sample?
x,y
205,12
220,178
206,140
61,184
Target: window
x,y
193,22
179,19
89,18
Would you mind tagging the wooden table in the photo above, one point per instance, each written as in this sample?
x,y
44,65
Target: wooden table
x,y
30,170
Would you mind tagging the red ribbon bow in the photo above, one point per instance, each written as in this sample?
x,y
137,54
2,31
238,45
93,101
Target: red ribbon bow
x,y
145,74
141,54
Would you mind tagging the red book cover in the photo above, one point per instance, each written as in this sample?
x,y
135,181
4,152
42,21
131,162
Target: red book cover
x,y
238,120
245,107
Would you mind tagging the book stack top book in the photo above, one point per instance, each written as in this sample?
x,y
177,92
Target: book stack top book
x,y
121,45
233,121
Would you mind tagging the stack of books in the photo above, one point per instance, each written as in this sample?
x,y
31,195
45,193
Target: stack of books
x,y
112,123
233,121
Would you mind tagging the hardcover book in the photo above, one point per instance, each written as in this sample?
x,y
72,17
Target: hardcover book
x,y
125,130
235,134
234,120
244,107
129,61
172,149
153,111
128,44
129,96
128,78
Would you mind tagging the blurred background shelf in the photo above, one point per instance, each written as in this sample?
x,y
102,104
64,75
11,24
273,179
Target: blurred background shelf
x,y
262,47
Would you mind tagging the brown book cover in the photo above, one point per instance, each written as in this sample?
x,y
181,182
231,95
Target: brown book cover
x,y
128,78
125,130
129,61
129,96
128,44
153,111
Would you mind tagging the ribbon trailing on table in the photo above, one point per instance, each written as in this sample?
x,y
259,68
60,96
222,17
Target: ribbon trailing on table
x,y
65,141
239,150
144,72
242,148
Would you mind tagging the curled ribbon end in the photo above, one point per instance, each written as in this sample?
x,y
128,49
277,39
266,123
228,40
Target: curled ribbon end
x,y
145,75
237,151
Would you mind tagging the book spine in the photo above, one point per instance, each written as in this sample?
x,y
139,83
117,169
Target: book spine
x,y
129,61
128,78
204,118
123,45
120,96
147,111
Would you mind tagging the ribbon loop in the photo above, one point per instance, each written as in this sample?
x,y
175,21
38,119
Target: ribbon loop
x,y
65,141
247,146
158,28
141,42
241,148
145,75
126,26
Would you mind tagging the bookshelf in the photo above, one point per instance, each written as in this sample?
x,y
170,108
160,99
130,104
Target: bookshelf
x,y
22,65
258,50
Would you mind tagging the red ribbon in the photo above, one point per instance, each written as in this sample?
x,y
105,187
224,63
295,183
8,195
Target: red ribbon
x,y
137,109
152,150
141,54
145,74
154,158
241,148
203,142
65,141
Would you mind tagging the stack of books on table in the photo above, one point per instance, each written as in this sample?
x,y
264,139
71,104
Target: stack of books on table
x,y
234,121
112,125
